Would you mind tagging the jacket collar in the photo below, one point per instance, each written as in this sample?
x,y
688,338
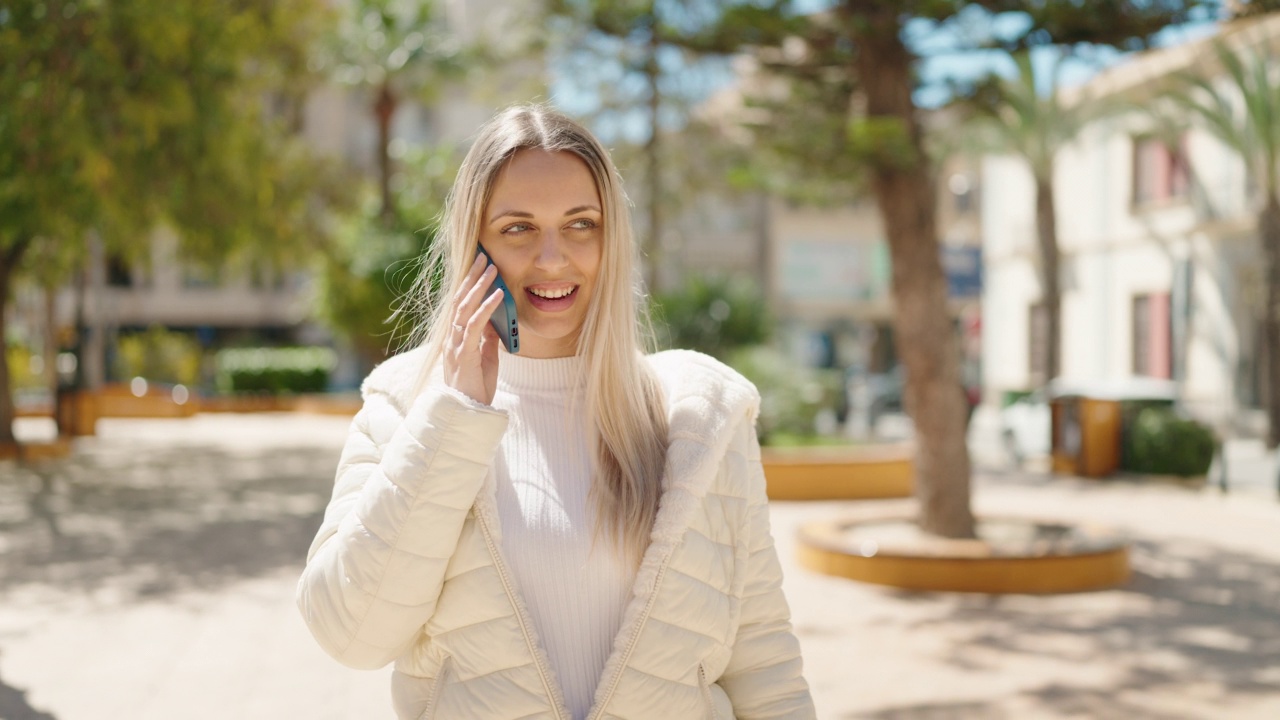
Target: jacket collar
x,y
706,401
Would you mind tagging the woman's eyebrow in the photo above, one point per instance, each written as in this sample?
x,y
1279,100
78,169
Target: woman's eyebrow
x,y
523,214
511,213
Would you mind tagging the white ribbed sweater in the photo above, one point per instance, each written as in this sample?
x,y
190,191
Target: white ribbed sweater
x,y
575,593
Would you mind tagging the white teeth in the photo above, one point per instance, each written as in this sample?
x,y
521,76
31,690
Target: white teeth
x,y
553,294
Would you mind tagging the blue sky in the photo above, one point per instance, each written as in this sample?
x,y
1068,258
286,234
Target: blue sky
x,y
577,87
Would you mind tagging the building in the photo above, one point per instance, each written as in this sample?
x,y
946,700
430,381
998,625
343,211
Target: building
x,y
1161,270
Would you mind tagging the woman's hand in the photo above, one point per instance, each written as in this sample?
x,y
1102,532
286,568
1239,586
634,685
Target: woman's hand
x,y
471,343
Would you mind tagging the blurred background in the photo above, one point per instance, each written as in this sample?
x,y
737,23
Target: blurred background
x,y
1036,236
183,184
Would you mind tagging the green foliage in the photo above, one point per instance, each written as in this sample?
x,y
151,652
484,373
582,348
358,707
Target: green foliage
x,y
712,315
120,117
882,142
405,45
1026,116
1163,443
159,355
134,112
274,370
23,375
1243,113
371,266
791,395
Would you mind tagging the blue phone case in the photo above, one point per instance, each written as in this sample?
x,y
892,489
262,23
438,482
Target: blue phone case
x,y
504,317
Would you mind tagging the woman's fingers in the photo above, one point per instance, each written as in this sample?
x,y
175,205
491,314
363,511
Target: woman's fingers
x,y
466,308
479,320
477,267
471,356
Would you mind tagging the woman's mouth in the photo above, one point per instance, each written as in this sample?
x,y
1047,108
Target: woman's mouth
x,y
552,299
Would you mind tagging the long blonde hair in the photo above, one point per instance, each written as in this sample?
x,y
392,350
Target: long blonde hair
x,y
623,397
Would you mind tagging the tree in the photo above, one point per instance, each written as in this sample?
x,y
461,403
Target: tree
x,y
645,85
369,267
1027,116
122,116
857,59
1239,104
398,50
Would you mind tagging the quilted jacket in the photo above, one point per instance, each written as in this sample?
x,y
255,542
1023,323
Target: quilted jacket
x,y
407,567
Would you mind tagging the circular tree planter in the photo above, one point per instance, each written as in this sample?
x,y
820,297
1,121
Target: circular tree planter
x,y
28,451
1011,555
857,473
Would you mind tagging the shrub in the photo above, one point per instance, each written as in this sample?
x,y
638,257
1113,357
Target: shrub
x,y
711,315
159,355
23,371
1163,443
791,396
275,370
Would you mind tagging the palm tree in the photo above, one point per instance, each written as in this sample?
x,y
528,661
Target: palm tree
x,y
1239,104
395,50
1026,116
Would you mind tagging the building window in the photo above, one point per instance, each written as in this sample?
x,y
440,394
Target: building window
x,y
1152,336
119,274
1160,173
197,276
1038,337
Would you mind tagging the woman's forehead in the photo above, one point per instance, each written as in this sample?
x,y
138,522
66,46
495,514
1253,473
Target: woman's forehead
x,y
534,173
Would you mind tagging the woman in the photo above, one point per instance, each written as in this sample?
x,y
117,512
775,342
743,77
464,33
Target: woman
x,y
573,531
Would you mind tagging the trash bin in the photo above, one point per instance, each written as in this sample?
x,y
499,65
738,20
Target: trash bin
x,y
1087,422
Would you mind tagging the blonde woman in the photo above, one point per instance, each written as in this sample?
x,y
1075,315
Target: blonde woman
x,y
574,531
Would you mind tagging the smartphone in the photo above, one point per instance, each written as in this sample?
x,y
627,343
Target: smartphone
x,y
504,317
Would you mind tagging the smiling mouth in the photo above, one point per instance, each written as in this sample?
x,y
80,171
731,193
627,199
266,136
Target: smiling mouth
x,y
553,294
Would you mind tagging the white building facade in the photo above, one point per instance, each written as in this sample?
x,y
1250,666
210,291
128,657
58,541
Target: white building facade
x,y
1161,266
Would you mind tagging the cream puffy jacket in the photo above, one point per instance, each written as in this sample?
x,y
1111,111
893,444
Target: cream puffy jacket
x,y
407,565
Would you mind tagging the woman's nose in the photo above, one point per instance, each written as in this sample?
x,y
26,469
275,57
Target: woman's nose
x,y
550,252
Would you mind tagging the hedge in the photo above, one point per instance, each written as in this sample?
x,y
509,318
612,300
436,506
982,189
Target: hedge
x,y
1161,442
275,370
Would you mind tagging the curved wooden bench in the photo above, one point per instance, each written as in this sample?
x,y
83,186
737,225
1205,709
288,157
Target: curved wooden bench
x,y
839,473
1081,560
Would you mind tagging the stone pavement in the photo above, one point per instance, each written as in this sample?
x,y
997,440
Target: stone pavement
x,y
151,576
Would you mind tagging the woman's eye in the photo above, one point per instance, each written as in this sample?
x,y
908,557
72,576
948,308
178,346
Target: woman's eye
x,y
515,228
582,224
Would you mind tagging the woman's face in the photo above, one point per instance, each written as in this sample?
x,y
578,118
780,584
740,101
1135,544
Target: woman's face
x,y
544,229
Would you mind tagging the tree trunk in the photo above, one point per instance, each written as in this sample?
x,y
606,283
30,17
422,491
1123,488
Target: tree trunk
x,y
93,358
1269,234
383,109
51,341
1051,290
926,341
8,265
653,249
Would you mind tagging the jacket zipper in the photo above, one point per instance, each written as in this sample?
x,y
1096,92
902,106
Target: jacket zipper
x,y
436,687
524,622
706,692
635,637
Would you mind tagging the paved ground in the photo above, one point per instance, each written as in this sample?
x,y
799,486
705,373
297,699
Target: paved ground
x,y
151,576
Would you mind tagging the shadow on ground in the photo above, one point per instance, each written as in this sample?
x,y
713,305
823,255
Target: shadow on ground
x,y
14,705
159,519
1193,615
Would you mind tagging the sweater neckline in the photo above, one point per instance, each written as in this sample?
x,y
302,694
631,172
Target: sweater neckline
x,y
524,374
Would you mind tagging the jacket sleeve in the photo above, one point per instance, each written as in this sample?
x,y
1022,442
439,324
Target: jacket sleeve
x,y
376,567
764,677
